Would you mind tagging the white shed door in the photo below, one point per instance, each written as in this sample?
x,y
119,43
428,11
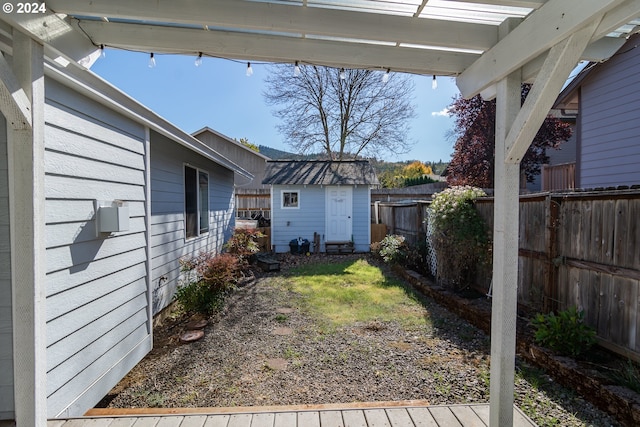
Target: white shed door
x,y
339,212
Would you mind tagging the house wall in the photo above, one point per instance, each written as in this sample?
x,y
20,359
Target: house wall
x,y
289,224
609,121
6,338
239,155
98,324
168,242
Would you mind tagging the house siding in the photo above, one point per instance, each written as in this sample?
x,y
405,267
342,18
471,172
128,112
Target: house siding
x,y
610,122
6,326
97,300
240,155
289,224
168,242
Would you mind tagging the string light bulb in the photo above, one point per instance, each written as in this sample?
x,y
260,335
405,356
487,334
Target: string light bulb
x,y
249,70
199,60
434,83
296,70
152,61
102,52
343,74
385,76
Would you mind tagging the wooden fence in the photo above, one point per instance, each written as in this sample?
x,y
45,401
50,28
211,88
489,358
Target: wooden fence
x,y
404,218
583,250
251,202
576,249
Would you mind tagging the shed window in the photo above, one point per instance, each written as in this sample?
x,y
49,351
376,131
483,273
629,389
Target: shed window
x,y
290,199
196,201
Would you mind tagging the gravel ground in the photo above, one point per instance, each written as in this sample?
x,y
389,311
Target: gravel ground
x,y
265,350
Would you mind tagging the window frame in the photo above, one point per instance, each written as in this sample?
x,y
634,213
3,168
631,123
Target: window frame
x,y
193,231
282,193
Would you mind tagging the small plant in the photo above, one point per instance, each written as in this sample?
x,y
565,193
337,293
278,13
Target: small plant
x,y
565,333
281,318
212,277
628,375
392,249
459,235
244,243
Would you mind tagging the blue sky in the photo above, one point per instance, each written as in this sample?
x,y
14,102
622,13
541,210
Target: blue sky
x,y
219,95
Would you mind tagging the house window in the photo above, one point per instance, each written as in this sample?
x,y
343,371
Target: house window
x,y
290,199
196,201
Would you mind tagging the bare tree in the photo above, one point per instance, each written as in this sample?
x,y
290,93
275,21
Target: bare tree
x,y
358,115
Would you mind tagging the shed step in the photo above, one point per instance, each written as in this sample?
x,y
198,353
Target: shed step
x,y
339,247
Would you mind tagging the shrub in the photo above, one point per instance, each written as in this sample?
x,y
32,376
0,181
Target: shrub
x,y
392,249
565,333
211,278
459,235
244,243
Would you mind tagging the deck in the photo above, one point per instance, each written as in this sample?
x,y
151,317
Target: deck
x,y
357,415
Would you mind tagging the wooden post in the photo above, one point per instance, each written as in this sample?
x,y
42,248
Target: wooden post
x,y
505,258
28,274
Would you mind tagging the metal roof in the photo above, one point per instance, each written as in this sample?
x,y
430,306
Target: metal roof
x,y
431,37
319,172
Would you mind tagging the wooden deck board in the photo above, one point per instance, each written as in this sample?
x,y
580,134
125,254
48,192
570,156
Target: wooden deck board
x,y
421,417
367,415
217,421
331,419
194,421
286,419
376,418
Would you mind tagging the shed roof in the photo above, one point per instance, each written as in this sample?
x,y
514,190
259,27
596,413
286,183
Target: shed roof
x,y
320,172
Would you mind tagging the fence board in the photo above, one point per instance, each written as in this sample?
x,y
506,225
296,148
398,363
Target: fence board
x,y
604,308
608,231
634,233
597,239
620,245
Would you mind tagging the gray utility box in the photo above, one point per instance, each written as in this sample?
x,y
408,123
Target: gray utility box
x,y
113,217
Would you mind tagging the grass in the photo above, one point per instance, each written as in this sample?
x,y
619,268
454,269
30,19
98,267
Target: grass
x,y
355,291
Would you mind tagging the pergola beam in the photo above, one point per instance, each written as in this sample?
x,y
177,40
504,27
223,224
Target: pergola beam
x,y
49,29
281,18
544,28
274,48
561,60
14,102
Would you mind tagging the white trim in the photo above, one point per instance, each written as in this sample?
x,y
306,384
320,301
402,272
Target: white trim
x,y
27,230
282,206
147,219
198,202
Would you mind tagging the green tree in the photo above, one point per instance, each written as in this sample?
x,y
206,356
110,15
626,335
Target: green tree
x,y
246,143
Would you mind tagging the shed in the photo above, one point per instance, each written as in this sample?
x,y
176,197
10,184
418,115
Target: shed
x,y
330,199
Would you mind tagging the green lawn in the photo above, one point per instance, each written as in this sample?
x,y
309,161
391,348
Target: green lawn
x,y
355,291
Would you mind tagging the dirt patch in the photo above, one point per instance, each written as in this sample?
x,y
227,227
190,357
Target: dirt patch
x,y
445,361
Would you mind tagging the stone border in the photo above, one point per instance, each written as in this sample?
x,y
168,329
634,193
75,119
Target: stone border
x,y
619,401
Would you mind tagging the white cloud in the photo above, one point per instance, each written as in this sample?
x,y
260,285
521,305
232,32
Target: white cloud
x,y
442,113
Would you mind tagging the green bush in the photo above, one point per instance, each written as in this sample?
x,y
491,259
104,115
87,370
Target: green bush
x,y
565,333
459,235
211,278
392,249
244,243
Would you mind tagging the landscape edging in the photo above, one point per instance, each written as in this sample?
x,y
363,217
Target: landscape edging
x,y
621,402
